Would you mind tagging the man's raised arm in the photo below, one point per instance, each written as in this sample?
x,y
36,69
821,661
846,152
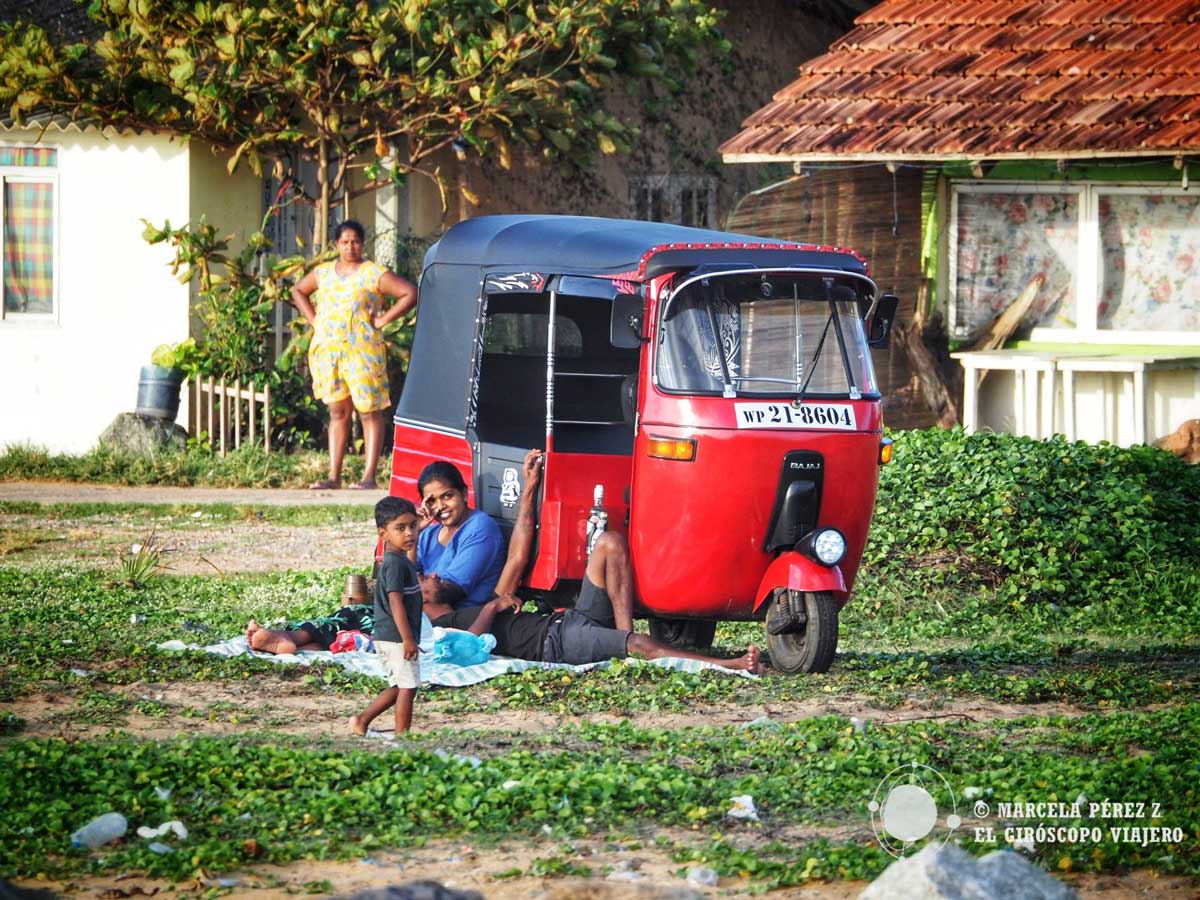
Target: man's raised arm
x,y
520,545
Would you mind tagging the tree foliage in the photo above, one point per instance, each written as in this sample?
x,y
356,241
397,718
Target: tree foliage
x,y
381,86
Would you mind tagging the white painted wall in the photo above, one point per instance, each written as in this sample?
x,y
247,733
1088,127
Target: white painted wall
x,y
64,381
117,299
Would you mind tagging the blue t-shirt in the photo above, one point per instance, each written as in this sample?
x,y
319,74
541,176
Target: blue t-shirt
x,y
473,559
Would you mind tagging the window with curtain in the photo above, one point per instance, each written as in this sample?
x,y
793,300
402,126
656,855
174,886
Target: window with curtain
x,y
1150,253
28,182
1003,241
1120,261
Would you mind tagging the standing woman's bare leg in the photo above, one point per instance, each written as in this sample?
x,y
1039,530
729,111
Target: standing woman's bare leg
x,y
340,417
372,425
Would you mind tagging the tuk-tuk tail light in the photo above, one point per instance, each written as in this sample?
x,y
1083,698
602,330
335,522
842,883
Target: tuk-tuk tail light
x,y
887,449
679,449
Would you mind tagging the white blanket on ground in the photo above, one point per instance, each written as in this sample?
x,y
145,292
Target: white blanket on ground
x,y
441,673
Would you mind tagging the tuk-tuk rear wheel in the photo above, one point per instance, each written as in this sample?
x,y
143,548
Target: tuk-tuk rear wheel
x,y
683,632
812,646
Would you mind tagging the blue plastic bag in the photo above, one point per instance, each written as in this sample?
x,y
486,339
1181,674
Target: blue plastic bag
x,y
461,648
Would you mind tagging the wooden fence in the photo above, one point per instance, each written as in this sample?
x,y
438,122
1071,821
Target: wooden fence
x,y
227,412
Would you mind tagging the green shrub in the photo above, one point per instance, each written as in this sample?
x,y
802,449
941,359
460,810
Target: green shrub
x,y
1035,520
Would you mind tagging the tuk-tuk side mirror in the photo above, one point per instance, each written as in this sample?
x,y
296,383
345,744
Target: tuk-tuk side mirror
x,y
879,328
625,330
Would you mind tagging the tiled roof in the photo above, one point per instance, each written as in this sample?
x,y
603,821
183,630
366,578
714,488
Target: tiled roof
x,y
992,79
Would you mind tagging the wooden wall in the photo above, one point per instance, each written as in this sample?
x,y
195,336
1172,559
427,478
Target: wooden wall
x,y
875,212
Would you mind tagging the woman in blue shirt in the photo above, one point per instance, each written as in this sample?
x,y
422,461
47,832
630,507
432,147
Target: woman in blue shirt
x,y
461,546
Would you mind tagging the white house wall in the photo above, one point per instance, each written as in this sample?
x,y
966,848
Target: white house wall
x,y
64,380
117,299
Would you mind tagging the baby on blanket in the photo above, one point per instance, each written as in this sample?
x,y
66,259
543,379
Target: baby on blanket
x,y
356,617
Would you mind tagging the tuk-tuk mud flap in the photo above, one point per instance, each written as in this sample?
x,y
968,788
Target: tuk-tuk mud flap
x,y
795,572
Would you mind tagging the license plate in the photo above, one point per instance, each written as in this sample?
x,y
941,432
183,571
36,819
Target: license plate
x,y
837,416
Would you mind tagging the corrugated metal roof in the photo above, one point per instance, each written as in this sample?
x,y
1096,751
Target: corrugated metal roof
x,y
992,79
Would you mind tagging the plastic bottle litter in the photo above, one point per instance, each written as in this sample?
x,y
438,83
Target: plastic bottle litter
x,y
100,831
174,825
703,877
743,808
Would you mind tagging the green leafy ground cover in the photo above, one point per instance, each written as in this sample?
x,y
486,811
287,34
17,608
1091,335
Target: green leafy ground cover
x,y
1025,623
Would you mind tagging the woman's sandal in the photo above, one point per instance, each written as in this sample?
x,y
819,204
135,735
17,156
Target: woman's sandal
x,y
364,486
326,485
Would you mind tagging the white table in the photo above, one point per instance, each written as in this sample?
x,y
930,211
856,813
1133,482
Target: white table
x,y
1039,365
1135,366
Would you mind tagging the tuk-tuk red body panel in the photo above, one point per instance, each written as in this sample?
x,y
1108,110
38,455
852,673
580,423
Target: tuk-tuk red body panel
x,y
414,448
569,480
708,557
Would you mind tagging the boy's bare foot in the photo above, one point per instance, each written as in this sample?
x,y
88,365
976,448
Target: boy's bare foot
x,y
267,641
358,726
250,629
750,661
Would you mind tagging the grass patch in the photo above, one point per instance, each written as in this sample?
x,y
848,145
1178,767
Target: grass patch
x,y
247,467
179,515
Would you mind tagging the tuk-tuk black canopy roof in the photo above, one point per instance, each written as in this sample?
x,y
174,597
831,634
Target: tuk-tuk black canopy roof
x,y
582,245
438,383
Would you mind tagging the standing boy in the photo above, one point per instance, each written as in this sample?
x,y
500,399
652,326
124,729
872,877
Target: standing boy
x,y
397,615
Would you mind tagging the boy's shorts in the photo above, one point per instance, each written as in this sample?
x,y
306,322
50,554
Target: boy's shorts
x,y
401,673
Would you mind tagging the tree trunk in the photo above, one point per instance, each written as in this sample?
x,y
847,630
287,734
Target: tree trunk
x,y
933,386
321,226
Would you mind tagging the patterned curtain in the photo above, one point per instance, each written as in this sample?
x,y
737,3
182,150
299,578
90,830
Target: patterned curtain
x,y
1004,240
1151,259
28,247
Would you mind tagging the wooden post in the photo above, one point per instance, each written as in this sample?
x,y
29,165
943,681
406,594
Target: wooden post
x,y
211,430
237,413
224,410
267,418
252,417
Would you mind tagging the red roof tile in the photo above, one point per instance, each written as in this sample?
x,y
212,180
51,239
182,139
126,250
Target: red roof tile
x,y
929,79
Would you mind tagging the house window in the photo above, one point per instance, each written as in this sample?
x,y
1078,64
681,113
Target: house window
x,y
1150,256
28,184
680,199
1118,262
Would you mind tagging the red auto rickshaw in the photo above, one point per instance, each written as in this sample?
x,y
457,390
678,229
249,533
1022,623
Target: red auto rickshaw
x,y
718,387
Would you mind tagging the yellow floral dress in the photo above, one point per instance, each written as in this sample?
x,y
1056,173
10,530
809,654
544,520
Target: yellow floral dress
x,y
347,356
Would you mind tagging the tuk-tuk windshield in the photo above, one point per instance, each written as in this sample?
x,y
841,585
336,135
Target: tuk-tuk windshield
x,y
778,335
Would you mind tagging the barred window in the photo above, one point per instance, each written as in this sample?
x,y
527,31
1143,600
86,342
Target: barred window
x,y
680,199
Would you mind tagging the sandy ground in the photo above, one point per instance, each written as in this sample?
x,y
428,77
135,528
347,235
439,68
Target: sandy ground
x,y
644,874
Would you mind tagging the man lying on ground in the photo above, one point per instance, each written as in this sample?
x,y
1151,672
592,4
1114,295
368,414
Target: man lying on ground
x,y
599,627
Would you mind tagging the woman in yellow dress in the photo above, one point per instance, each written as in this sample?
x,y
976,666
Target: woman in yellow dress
x,y
347,357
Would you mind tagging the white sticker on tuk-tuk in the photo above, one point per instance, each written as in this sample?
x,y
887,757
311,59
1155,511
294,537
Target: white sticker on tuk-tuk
x,y
837,416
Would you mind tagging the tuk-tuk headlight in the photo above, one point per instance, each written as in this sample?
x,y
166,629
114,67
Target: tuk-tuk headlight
x,y
825,545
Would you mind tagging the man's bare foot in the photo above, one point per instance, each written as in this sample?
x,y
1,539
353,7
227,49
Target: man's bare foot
x,y
267,641
358,726
250,629
750,661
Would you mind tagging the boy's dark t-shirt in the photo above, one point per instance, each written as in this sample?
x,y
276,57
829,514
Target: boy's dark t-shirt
x,y
518,635
397,574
